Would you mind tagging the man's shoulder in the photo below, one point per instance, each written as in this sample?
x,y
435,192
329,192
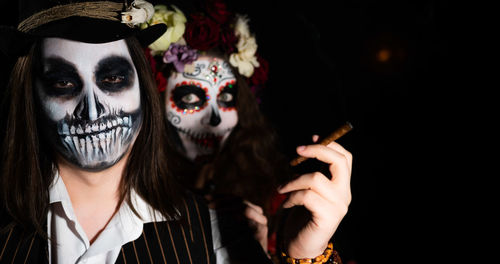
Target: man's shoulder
x,y
18,244
185,239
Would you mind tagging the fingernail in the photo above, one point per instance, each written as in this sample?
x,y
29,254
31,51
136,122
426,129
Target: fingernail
x,y
301,148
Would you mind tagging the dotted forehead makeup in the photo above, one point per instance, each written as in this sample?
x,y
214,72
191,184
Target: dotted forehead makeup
x,y
215,71
211,71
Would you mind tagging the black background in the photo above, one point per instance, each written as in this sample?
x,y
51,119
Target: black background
x,y
325,70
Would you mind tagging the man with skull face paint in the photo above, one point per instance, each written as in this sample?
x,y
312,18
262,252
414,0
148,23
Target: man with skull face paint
x,y
215,122
90,99
84,176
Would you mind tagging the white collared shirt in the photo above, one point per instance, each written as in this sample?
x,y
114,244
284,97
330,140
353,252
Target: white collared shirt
x,y
71,244
221,254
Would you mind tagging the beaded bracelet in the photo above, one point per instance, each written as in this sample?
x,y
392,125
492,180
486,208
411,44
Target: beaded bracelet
x,y
326,257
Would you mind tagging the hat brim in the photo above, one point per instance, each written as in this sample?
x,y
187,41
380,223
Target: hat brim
x,y
16,43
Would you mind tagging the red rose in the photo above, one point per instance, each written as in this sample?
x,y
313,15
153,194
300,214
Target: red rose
x,y
228,40
217,9
259,76
161,82
202,33
150,59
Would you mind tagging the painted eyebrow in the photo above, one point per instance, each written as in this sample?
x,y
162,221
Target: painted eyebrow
x,y
114,63
190,77
227,78
58,64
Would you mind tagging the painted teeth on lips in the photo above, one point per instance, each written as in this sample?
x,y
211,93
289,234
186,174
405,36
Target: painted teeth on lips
x,y
65,129
200,135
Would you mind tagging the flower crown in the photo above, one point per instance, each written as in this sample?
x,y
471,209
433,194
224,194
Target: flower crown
x,y
215,28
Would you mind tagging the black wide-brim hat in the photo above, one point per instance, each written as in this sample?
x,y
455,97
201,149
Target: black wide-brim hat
x,y
85,21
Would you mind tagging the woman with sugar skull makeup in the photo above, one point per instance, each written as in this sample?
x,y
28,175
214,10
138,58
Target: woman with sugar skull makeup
x,y
204,68
84,166
222,154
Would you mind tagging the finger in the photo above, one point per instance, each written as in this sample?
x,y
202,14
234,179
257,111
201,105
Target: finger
x,y
315,138
330,153
254,206
320,208
340,166
255,216
311,181
310,200
319,183
336,146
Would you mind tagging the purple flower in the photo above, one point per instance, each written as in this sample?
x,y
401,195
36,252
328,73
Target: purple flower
x,y
180,55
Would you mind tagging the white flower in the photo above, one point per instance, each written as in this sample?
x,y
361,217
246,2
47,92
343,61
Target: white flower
x,y
245,67
244,59
247,47
176,23
241,27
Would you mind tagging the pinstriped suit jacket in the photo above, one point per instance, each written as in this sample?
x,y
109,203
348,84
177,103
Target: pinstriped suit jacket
x,y
161,242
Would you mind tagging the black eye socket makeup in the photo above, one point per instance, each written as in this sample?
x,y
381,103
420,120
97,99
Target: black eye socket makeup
x,y
60,78
114,74
189,97
227,96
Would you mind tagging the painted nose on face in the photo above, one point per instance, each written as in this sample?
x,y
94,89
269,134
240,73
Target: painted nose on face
x,y
214,117
89,108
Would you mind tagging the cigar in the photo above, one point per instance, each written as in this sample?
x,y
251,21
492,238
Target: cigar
x,y
339,132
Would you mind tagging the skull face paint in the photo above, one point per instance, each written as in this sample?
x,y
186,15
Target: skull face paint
x,y
90,97
201,105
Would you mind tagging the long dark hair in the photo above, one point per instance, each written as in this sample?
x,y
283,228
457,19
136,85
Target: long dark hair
x,y
250,165
28,162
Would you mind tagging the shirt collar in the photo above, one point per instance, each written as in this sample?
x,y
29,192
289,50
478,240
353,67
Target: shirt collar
x,y
125,226
59,193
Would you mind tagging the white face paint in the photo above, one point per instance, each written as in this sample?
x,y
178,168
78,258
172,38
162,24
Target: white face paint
x,y
201,105
90,96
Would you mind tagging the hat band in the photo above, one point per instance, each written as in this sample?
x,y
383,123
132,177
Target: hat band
x,y
100,10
